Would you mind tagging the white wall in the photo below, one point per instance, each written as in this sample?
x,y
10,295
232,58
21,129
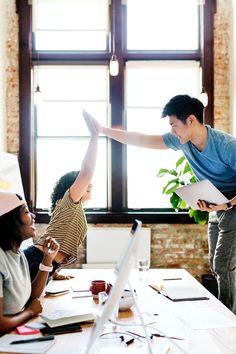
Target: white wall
x,y
105,245
3,6
233,67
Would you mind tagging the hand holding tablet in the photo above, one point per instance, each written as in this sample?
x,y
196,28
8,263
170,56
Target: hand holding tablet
x,y
203,190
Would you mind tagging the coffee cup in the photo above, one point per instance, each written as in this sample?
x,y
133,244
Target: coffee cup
x,y
96,287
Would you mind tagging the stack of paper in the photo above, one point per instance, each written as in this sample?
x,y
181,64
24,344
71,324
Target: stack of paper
x,y
66,316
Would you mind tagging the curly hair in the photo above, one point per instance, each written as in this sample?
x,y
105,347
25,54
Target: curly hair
x,y
10,229
61,187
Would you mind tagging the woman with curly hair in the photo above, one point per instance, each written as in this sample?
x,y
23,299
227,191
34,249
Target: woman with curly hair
x,y
19,299
68,224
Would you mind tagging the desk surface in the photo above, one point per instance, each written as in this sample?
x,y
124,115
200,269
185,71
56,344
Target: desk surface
x,y
172,318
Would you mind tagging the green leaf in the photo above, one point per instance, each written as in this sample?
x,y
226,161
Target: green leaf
x,y
173,173
162,172
177,203
174,200
200,217
180,161
193,179
172,189
183,205
173,181
187,168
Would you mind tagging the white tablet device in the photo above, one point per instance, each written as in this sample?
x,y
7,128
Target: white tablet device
x,y
123,268
203,190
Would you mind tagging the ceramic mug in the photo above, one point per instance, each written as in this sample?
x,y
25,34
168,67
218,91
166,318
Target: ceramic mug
x,y
96,287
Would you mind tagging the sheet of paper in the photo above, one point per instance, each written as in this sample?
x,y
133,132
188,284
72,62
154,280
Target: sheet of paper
x,y
204,318
35,347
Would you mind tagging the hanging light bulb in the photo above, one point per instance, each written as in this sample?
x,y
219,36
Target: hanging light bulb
x,y
37,96
114,66
203,97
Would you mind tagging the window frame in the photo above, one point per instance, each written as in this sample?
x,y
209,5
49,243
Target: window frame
x,y
27,56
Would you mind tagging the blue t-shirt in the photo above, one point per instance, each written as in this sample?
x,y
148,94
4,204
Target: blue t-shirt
x,y
217,161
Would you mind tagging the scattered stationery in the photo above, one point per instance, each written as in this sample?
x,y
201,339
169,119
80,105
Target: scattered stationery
x,y
39,339
62,317
203,317
179,293
35,325
166,279
77,288
56,292
55,289
15,343
74,327
27,330
82,294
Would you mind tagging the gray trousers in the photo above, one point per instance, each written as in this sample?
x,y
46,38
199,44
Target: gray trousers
x,y
222,254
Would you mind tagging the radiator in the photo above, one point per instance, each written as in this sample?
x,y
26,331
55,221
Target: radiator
x,y
105,245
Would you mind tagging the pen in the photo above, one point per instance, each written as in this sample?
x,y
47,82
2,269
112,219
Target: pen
x,y
172,279
130,341
39,339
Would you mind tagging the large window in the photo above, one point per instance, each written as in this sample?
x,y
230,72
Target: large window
x,y
65,48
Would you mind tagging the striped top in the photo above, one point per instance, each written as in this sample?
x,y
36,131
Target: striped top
x,y
68,225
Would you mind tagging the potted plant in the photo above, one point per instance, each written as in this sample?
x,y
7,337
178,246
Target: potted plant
x,y
180,176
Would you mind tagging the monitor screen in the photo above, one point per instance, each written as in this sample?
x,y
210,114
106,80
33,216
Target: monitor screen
x,y
122,271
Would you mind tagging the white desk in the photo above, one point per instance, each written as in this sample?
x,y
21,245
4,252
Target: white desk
x,y
195,341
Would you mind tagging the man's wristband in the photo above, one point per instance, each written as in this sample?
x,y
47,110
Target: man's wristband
x,y
228,205
44,268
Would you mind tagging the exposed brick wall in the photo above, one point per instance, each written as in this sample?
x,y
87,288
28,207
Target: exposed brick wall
x,y
222,66
12,86
171,245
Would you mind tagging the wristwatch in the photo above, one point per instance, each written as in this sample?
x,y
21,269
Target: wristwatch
x,y
229,205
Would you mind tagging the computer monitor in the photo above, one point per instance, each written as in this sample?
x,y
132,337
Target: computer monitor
x,y
122,271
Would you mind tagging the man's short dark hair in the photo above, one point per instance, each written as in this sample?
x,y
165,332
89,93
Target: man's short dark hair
x,y
183,106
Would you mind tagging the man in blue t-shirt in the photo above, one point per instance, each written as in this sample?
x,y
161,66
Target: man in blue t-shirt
x,y
212,155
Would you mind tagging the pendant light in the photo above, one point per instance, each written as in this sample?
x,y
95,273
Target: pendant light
x,y
114,64
203,96
37,92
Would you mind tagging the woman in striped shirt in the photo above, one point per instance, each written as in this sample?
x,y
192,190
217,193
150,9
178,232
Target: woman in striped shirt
x,y
68,224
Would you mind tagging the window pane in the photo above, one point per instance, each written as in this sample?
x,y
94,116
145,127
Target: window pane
x,y
162,24
70,24
65,118
73,83
66,90
59,156
70,40
160,81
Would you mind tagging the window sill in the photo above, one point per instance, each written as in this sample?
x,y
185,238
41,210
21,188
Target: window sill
x,y
128,217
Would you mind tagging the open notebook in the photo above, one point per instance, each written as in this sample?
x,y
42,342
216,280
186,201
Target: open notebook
x,y
177,291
